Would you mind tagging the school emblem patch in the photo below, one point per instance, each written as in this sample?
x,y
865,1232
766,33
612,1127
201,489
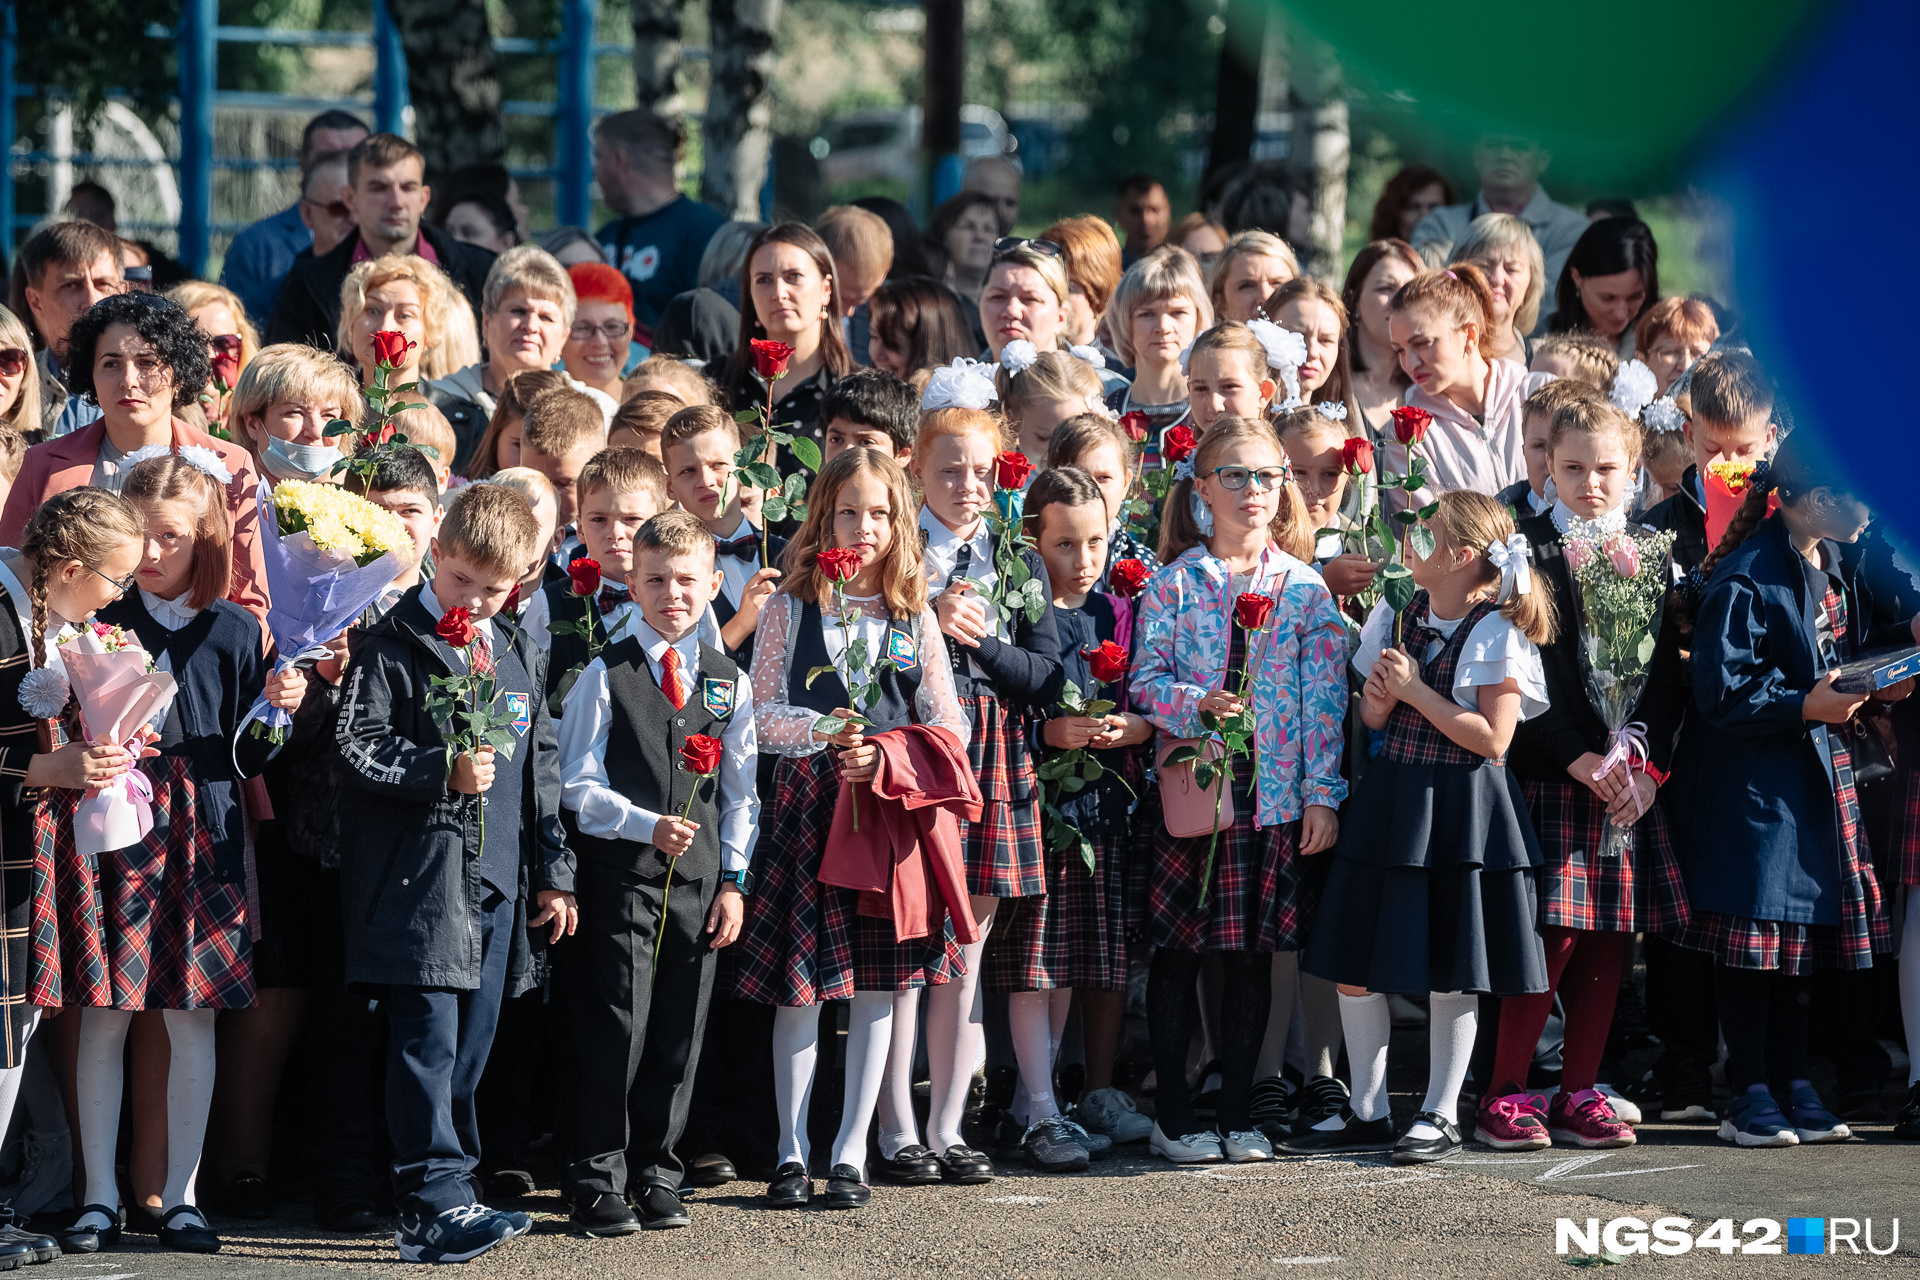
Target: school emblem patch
x,y
521,710
717,697
900,649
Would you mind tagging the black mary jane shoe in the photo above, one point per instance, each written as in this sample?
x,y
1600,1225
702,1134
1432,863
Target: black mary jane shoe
x,y
79,1239
912,1167
247,1196
1412,1150
965,1166
791,1188
846,1189
711,1170
192,1236
605,1215
659,1208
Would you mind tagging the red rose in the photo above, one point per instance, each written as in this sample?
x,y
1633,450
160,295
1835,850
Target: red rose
x,y
700,754
457,628
770,358
1251,610
1410,425
1127,577
1179,444
1135,424
586,576
390,348
838,564
1011,469
1107,663
1356,457
226,368
378,436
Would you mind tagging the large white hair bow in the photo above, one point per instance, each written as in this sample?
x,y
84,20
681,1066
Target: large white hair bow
x,y
1286,352
1633,388
964,384
1514,559
1018,356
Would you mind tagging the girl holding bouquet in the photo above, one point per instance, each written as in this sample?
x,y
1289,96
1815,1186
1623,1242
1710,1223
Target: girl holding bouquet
x,y
804,942
161,926
1237,621
1592,760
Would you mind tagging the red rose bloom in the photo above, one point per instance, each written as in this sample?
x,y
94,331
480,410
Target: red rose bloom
x,y
1410,425
457,628
770,358
378,436
585,574
1107,663
838,564
1135,424
226,368
1127,577
700,754
1011,470
1356,457
1179,444
390,348
1252,610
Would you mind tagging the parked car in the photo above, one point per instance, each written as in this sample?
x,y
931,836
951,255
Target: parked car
x,y
884,142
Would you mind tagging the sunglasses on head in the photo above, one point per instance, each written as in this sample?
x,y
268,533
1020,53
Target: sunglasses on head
x,y
225,344
1014,244
13,361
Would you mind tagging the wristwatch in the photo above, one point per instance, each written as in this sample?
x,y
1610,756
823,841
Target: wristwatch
x,y
741,879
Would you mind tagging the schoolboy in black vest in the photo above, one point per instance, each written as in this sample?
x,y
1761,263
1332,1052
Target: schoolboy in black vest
x,y
663,865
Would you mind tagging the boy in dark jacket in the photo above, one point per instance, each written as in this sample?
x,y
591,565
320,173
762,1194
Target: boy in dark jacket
x,y
436,898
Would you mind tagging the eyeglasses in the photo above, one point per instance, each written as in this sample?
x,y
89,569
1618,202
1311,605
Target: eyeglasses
x,y
120,585
13,361
332,208
612,331
1234,479
1014,244
225,344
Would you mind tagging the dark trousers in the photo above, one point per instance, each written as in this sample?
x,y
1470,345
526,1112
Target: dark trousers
x,y
438,1046
637,1029
346,1038
732,1112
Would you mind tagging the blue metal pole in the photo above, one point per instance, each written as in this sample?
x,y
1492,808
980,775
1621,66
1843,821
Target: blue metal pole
x,y
197,57
573,197
7,51
389,73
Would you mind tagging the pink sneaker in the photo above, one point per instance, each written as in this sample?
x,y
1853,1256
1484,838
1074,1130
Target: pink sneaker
x,y
1511,1121
1585,1119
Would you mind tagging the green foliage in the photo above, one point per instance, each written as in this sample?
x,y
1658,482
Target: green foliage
x,y
87,47
1069,773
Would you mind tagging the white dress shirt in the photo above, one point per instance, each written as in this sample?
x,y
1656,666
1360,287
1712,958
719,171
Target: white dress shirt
x,y
734,571
619,621
486,626
1496,651
604,812
943,554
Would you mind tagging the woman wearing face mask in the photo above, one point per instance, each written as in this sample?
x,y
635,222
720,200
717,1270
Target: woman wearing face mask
x,y
282,407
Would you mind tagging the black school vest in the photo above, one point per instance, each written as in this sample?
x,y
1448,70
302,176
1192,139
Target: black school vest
x,y
643,758
898,680
1411,737
513,692
569,651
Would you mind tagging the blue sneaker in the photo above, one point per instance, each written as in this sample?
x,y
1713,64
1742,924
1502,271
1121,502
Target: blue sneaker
x,y
1753,1119
453,1235
1812,1122
518,1224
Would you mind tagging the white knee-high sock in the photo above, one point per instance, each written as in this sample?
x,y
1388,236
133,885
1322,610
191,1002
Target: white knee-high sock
x,y
796,1045
869,1031
898,1128
1321,1021
189,1095
1452,1021
1367,1024
1273,1049
13,1077
99,1079
1029,1016
956,1045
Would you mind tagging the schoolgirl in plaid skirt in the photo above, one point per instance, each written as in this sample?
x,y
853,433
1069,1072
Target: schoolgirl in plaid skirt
x,y
1776,869
1431,889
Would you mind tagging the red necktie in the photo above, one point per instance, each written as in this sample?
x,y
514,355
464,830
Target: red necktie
x,y
482,659
670,678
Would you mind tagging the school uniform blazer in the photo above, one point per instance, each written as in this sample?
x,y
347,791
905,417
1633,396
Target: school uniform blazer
x,y
410,847
1758,776
1896,595
67,462
1685,516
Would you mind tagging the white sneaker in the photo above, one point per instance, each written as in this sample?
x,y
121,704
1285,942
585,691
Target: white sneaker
x,y
1111,1112
1245,1145
1191,1148
1624,1108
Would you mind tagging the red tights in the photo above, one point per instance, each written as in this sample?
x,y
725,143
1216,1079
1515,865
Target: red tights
x,y
1585,968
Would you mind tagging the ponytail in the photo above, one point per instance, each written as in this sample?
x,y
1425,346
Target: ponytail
x,y
1459,292
1475,522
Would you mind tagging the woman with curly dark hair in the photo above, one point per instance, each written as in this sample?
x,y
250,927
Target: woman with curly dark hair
x,y
137,356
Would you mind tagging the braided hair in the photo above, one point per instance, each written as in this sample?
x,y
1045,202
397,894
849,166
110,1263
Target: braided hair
x,y
85,525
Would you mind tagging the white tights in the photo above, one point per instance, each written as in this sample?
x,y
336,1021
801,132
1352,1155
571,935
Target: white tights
x,y
956,1044
796,1050
1037,1020
100,1078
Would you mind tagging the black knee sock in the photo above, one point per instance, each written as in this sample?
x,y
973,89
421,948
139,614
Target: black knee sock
x,y
1745,998
1787,1032
1169,1028
1246,1000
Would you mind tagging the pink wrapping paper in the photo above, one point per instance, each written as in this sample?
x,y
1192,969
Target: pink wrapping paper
x,y
117,695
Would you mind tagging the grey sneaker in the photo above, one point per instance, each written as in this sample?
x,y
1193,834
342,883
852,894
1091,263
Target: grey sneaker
x,y
1053,1146
1111,1112
1098,1145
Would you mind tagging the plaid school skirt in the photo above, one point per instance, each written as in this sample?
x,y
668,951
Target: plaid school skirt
x,y
1640,890
145,927
1906,825
1741,942
1074,934
1261,896
803,941
1005,850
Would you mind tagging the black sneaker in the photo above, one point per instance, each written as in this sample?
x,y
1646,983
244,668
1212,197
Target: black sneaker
x,y
1412,1150
344,1204
1356,1135
1272,1105
452,1235
1322,1098
1053,1146
1907,1123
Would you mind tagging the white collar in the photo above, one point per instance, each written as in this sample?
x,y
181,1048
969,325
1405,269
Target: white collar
x,y
172,614
17,590
740,530
939,537
1565,520
656,645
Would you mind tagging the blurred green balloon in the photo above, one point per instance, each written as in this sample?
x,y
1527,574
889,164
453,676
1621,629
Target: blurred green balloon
x,y
1624,88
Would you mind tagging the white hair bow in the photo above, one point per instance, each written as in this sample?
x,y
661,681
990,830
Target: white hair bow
x,y
1018,356
1089,354
1663,415
1633,388
1334,409
197,456
963,384
1286,352
1513,558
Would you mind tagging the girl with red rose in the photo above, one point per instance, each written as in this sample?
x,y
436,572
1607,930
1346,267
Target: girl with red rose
x,y
1331,469
804,941
1248,896
1102,448
1073,937
1431,887
1006,675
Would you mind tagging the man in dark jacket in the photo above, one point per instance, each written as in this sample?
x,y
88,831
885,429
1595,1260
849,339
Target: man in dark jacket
x,y
440,904
386,180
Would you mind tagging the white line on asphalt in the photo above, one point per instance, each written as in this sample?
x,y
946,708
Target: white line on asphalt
x,y
1302,1262
1019,1200
1622,1173
1566,1167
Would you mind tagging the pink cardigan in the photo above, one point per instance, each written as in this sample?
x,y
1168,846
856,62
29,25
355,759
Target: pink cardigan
x,y
1462,454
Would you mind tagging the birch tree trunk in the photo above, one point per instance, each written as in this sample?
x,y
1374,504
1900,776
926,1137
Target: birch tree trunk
x,y
656,56
737,132
453,79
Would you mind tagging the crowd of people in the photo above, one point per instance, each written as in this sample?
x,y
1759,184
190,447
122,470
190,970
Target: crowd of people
x,y
798,628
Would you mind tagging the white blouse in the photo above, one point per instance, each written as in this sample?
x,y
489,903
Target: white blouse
x,y
1496,651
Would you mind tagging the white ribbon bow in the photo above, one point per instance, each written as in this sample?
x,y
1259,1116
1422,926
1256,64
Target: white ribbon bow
x,y
1018,356
1513,558
1628,747
963,384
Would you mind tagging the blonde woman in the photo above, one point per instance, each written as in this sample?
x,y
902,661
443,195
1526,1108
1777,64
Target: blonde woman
x,y
1509,257
19,380
1249,269
1160,307
398,294
231,339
